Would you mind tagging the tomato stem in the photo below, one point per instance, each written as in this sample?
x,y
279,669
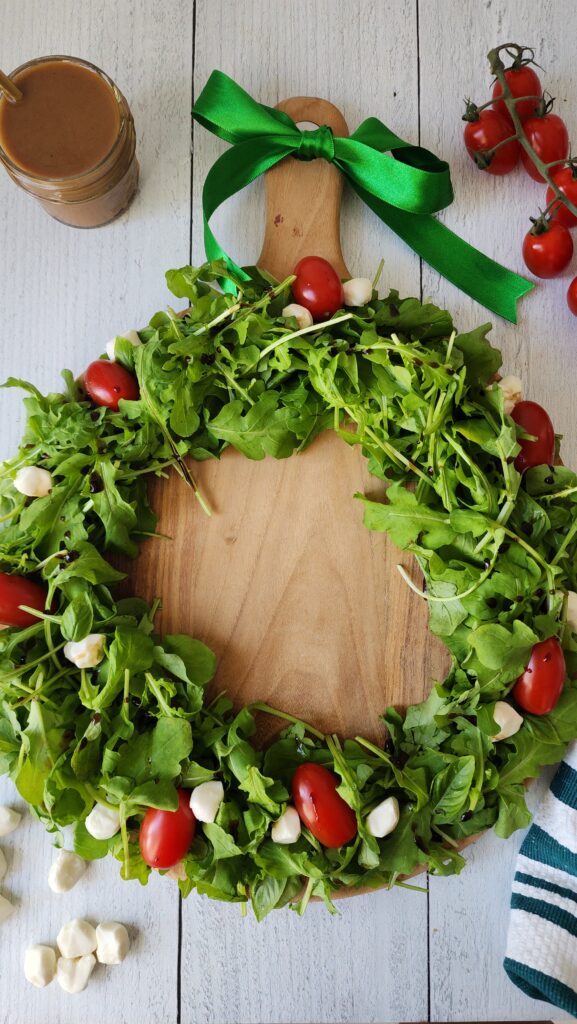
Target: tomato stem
x,y
498,70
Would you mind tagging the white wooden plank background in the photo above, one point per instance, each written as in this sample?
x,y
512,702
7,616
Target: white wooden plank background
x,y
64,292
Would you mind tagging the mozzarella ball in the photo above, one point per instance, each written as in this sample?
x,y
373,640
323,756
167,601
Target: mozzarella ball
x,y
358,291
102,822
66,871
39,965
76,938
571,611
9,820
287,828
301,314
512,388
206,799
131,336
508,720
3,865
384,818
112,942
6,908
86,653
73,975
33,481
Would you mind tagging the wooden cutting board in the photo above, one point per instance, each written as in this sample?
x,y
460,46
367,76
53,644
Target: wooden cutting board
x,y
303,606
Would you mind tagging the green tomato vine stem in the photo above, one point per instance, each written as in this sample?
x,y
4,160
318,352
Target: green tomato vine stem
x,y
498,70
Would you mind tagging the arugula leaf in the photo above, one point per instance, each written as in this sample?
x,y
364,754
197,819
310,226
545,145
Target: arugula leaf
x,y
157,754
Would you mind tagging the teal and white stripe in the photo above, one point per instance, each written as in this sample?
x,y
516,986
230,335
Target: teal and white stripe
x,y
542,941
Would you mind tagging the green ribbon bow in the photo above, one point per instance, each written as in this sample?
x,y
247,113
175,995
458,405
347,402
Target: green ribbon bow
x,y
401,183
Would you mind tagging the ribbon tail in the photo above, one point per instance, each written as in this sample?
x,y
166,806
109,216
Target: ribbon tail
x,y
485,280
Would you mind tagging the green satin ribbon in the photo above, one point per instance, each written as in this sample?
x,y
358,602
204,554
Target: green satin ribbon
x,y
401,183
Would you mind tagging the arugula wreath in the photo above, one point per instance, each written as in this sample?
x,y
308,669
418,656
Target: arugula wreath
x,y
497,551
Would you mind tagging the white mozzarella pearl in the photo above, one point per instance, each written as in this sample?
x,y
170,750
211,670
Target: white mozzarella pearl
x,y
73,975
287,828
384,818
9,820
65,871
33,481
206,799
358,291
301,314
39,965
86,653
112,942
508,720
102,822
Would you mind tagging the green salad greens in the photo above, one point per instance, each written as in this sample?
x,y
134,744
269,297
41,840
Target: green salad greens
x,y
497,552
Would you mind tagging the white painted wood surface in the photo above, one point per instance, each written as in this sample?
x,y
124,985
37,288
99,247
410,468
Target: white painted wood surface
x,y
64,292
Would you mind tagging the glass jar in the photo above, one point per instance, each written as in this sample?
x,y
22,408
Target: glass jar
x,y
99,192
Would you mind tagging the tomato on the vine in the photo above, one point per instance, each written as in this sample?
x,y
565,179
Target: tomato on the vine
x,y
16,591
166,836
522,81
534,420
572,296
317,287
549,138
106,383
566,180
320,807
538,689
547,248
483,134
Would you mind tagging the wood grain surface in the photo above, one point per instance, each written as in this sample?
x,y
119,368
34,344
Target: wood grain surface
x,y
303,606
303,199
398,956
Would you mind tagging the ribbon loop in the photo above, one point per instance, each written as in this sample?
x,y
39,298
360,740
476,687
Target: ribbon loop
x,y
319,143
403,184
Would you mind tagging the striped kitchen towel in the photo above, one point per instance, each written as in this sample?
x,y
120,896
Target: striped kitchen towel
x,y
542,941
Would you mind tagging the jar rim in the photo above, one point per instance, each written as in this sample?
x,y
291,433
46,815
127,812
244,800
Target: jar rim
x,y
40,178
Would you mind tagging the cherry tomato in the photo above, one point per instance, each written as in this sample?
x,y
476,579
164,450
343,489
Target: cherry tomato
x,y
522,81
317,287
538,689
534,420
572,296
17,590
485,133
550,140
566,179
320,807
166,836
547,252
106,383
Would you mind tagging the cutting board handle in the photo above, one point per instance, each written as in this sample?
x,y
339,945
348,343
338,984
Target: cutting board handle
x,y
303,199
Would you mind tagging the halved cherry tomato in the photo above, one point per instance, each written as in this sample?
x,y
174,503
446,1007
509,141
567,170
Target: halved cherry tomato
x,y
17,590
572,296
320,807
534,420
549,138
482,135
522,81
538,689
166,836
106,383
317,287
566,179
547,251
